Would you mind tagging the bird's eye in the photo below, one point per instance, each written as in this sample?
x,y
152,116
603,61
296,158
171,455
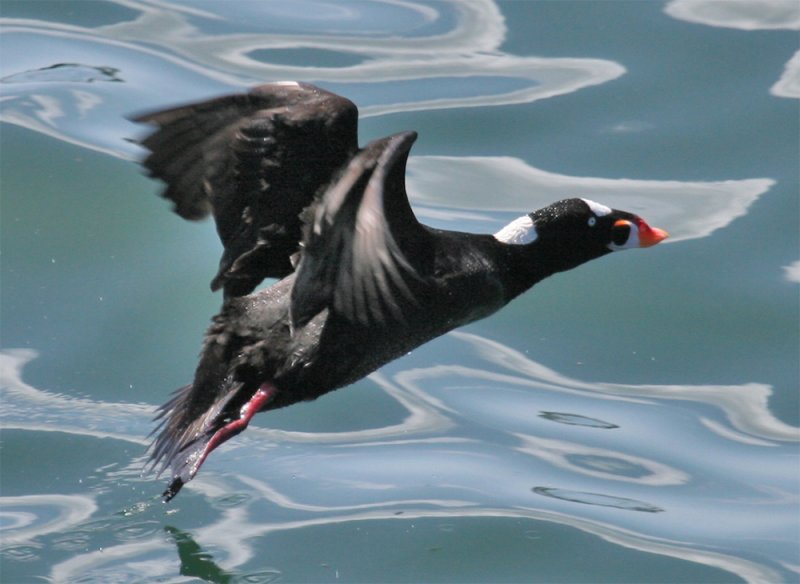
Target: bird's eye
x,y
620,233
592,221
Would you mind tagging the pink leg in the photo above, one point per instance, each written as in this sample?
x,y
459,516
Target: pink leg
x,y
264,394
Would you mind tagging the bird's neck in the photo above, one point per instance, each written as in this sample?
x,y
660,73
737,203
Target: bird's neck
x,y
527,265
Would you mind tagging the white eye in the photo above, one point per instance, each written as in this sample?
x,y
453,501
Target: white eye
x,y
592,221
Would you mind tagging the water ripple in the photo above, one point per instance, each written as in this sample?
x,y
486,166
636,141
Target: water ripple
x,y
691,210
748,15
26,517
472,428
65,73
577,420
426,465
199,57
596,499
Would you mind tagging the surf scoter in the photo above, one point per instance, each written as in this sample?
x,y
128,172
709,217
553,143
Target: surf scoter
x,y
360,281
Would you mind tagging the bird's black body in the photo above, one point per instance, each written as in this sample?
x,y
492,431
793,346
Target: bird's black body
x,y
363,282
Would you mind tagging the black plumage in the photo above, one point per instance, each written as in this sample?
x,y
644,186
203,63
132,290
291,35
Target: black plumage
x,y
361,281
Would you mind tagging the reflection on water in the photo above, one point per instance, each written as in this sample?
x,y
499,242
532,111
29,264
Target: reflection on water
x,y
488,459
425,466
34,409
218,61
789,83
744,15
65,73
748,15
792,272
691,209
596,499
28,517
195,562
576,420
600,463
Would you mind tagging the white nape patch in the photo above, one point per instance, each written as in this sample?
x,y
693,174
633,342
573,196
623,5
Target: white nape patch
x,y
287,83
519,232
597,208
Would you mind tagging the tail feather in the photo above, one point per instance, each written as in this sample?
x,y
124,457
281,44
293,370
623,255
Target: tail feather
x,y
166,442
182,439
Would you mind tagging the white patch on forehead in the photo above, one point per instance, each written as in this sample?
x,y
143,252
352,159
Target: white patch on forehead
x,y
597,208
519,232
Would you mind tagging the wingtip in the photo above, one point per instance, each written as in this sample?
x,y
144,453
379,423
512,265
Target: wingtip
x,y
403,140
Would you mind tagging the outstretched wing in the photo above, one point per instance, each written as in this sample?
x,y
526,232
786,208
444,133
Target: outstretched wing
x,y
364,252
255,161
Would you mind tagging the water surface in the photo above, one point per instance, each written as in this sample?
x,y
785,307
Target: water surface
x,y
635,420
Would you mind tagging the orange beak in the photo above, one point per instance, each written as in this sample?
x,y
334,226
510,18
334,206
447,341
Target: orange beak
x,y
649,236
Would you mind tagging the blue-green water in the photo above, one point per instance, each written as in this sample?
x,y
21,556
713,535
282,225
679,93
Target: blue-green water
x,y
635,420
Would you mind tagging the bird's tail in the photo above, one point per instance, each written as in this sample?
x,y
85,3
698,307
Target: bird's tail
x,y
183,436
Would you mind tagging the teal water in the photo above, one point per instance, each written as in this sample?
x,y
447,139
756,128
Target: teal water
x,y
635,420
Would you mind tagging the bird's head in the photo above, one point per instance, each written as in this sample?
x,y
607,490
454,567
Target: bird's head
x,y
573,231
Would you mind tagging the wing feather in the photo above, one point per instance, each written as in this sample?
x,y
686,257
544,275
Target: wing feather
x,y
365,249
255,161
